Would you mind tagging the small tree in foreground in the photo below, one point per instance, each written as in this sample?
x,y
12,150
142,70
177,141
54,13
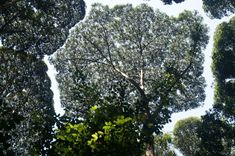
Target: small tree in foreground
x,y
98,136
163,145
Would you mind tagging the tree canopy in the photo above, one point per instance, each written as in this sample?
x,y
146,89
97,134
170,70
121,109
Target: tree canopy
x,y
216,129
27,113
217,132
223,67
122,72
211,135
214,8
186,135
155,61
171,1
28,31
38,27
219,9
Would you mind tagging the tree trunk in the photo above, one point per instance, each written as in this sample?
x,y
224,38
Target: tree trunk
x,y
147,128
150,148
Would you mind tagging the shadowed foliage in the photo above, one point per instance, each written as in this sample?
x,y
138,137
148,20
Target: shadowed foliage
x,y
29,29
27,111
217,132
214,8
37,26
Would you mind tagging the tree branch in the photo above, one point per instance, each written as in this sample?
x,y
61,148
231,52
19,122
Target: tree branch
x,y
96,47
6,24
110,63
179,77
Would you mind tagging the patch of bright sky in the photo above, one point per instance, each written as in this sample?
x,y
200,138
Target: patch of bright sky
x,y
172,10
54,86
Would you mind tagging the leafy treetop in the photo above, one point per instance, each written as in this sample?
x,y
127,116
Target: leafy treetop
x,y
185,135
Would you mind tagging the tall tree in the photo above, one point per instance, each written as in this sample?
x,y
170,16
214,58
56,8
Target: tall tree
x,y
218,128
103,126
157,57
29,29
214,8
186,135
223,67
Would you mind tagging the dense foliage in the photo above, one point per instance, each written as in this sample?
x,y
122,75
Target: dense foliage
x,y
149,60
29,29
212,135
186,135
214,8
27,113
218,9
122,73
171,1
109,118
223,67
164,145
98,136
38,26
218,128
217,135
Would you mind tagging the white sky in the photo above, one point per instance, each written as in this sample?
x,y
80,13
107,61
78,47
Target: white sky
x,y
172,10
